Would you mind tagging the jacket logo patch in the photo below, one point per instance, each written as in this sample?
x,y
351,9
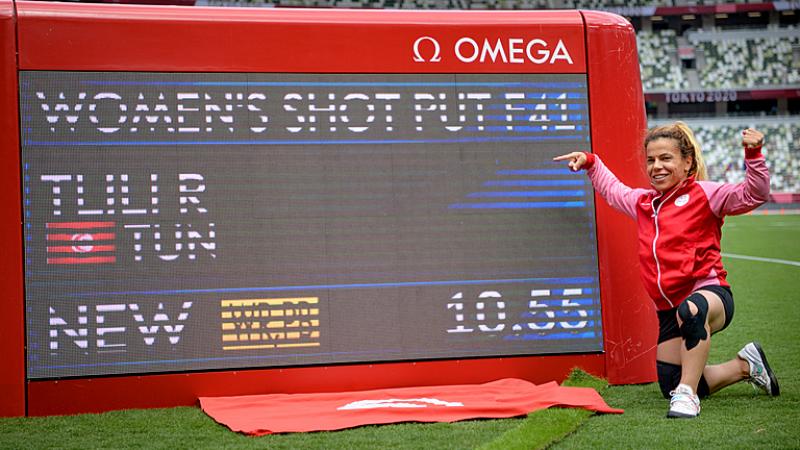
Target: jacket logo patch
x,y
682,200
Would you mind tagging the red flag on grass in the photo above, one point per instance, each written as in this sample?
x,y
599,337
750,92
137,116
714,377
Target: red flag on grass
x,y
281,413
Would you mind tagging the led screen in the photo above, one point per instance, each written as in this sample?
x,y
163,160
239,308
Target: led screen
x,y
198,221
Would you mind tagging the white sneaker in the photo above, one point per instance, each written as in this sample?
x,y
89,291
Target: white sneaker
x,y
760,373
684,403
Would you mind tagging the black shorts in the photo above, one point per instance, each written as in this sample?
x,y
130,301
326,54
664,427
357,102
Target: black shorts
x,y
668,322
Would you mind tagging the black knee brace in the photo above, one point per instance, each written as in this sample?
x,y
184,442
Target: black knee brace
x,y
669,376
693,329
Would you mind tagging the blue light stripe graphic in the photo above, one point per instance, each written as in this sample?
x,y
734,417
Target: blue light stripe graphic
x,y
549,301
584,291
571,107
307,142
536,172
527,118
562,281
578,182
517,205
539,337
550,107
527,194
552,95
522,128
541,318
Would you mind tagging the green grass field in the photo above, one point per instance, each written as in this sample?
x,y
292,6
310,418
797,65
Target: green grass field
x,y
738,417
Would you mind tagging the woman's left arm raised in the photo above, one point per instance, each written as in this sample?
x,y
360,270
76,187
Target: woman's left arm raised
x,y
731,199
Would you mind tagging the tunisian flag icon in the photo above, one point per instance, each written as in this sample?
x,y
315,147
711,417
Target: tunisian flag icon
x,y
80,242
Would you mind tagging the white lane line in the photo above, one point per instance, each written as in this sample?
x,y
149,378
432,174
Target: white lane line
x,y
756,258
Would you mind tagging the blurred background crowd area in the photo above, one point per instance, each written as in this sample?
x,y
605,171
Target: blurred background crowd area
x,y
718,65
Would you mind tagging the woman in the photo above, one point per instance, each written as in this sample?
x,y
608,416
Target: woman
x,y
680,225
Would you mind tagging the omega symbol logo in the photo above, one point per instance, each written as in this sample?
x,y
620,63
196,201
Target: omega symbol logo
x,y
682,200
436,50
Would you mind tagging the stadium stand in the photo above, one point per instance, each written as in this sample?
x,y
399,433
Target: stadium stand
x,y
658,61
745,58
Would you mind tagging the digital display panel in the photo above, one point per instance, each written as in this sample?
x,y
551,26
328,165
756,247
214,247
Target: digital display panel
x,y
200,221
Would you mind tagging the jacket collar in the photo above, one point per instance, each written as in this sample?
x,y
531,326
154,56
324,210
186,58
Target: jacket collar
x,y
661,197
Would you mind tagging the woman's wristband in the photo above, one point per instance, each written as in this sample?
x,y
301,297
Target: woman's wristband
x,y
752,152
589,161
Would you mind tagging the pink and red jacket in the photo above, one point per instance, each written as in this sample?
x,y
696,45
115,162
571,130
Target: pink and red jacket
x,y
680,230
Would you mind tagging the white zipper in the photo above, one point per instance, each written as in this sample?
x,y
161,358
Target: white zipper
x,y
655,238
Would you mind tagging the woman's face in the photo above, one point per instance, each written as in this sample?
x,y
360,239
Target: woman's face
x,y
665,164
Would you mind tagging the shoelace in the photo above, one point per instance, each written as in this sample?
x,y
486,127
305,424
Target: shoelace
x,y
756,379
680,397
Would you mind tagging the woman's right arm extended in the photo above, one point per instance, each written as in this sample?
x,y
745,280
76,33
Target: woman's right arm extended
x,y
604,181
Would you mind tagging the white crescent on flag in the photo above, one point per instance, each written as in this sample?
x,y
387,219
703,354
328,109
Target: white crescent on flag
x,y
82,237
399,403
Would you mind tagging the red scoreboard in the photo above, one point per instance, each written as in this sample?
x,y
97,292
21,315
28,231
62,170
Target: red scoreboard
x,y
208,201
